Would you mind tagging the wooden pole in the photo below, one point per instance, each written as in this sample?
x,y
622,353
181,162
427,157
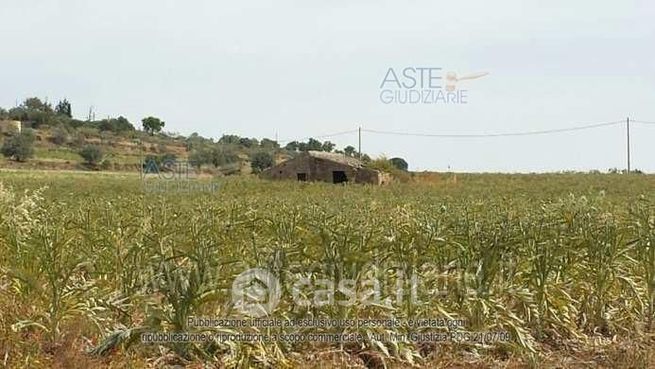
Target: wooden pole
x,y
359,150
627,126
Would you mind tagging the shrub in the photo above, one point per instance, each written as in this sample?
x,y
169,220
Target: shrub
x,y
106,165
260,161
60,135
19,147
399,163
385,165
269,144
78,140
120,124
92,154
159,163
222,156
199,157
88,132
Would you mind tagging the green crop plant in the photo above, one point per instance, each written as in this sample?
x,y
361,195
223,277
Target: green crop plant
x,y
559,262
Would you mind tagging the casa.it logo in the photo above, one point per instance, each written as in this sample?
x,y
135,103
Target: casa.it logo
x,y
424,85
256,292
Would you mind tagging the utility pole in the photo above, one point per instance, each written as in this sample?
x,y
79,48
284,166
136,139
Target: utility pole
x,y
359,150
627,131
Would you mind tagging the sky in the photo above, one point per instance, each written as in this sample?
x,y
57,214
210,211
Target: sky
x,y
295,69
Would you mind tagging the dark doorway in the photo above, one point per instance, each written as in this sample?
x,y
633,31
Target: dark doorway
x,y
339,176
302,177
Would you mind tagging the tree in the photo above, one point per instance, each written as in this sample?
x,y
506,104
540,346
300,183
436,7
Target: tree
x,y
266,143
152,125
229,139
64,108
314,145
19,147
349,150
34,103
399,163
327,146
248,142
17,113
192,141
199,157
292,146
311,145
120,124
221,156
33,110
260,161
92,154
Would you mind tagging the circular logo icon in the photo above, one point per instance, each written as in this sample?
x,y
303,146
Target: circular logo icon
x,y
256,292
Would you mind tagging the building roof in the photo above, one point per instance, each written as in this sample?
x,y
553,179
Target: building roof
x,y
337,158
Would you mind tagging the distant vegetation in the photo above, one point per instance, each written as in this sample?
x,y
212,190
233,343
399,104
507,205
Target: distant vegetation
x,y
399,163
261,160
19,147
92,155
152,125
54,138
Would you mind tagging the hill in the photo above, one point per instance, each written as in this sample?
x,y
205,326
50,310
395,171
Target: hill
x,y
115,144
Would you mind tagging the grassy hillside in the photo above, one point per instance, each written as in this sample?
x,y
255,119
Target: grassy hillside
x,y
58,139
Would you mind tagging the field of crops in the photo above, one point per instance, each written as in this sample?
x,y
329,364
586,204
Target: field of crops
x,y
551,270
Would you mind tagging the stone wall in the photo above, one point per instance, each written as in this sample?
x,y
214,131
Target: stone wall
x,y
318,169
321,170
288,169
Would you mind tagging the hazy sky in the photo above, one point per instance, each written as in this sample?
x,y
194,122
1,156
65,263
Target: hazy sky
x,y
307,68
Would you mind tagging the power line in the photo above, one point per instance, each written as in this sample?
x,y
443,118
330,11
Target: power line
x,y
474,135
627,122
322,136
506,134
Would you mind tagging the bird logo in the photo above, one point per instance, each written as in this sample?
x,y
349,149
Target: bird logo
x,y
452,79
